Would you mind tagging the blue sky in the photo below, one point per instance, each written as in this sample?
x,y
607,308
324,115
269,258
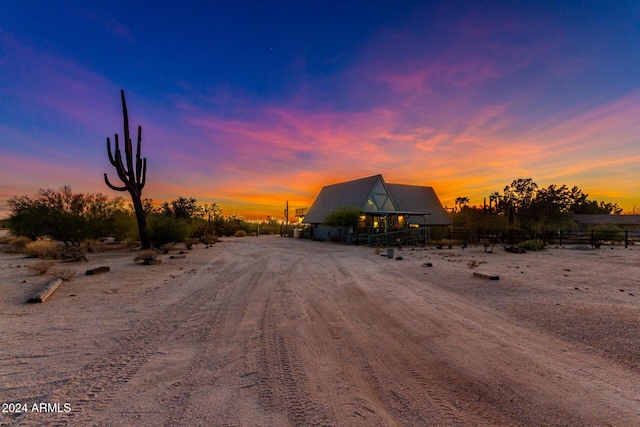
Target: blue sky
x,y
249,104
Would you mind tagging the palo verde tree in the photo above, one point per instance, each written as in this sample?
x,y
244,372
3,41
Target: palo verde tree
x,y
132,177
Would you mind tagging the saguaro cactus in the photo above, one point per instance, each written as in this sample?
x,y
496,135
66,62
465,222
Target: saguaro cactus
x,y
132,177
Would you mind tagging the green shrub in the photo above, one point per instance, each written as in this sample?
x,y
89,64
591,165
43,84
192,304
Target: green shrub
x,y
41,249
533,245
240,233
165,229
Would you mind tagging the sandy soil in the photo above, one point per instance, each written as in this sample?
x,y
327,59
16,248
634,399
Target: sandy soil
x,y
273,331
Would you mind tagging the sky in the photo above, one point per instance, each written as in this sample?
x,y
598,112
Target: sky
x,y
250,104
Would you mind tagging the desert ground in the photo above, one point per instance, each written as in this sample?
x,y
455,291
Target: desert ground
x,y
273,331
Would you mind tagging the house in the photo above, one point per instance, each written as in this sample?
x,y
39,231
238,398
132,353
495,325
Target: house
x,y
387,208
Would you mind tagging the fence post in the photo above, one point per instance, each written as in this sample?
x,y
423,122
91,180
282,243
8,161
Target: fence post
x,y
593,243
626,239
560,237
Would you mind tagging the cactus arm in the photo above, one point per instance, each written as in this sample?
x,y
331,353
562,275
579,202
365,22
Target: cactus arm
x,y
144,174
112,160
139,179
111,186
128,149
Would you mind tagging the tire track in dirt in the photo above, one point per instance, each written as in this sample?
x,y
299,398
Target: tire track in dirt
x,y
283,384
394,370
488,390
94,387
218,330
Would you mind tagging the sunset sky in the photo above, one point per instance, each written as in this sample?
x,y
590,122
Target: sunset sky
x,y
250,104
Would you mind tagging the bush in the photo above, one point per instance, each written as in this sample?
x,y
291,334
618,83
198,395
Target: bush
x,y
41,267
18,243
164,229
64,273
533,245
147,256
240,233
41,249
167,247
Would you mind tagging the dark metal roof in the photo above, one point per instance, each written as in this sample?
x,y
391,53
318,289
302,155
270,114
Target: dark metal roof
x,y
594,219
416,200
335,196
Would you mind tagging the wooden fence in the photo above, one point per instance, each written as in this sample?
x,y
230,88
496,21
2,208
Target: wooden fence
x,y
593,238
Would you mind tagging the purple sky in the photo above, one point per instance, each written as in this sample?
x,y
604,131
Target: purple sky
x,y
250,104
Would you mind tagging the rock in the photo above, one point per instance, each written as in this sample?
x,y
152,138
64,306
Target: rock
x,y
98,270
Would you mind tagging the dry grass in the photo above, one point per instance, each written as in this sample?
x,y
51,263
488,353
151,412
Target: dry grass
x,y
17,243
147,256
42,267
167,247
240,233
41,249
64,273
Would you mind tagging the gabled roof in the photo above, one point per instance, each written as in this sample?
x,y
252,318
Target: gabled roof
x,y
345,194
419,200
374,196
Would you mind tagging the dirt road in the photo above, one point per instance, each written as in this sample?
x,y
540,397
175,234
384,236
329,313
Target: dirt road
x,y
273,331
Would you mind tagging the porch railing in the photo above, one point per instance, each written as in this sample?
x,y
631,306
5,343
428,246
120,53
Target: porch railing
x,y
400,237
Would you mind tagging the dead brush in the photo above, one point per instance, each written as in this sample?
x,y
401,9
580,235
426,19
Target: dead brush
x,y
17,243
63,273
147,257
42,267
41,249
474,263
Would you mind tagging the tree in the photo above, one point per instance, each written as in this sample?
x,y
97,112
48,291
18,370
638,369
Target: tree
x,y
133,179
520,194
167,229
28,217
181,208
209,216
461,201
68,217
347,216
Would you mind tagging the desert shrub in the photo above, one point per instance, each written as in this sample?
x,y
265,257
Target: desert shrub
x,y
73,253
41,267
6,240
147,256
474,263
41,249
240,233
64,273
167,247
165,229
122,226
18,243
533,245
